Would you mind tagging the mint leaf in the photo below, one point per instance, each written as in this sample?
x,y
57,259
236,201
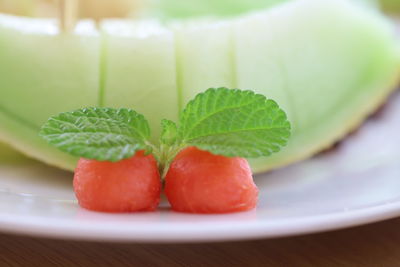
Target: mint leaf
x,y
234,123
169,132
98,133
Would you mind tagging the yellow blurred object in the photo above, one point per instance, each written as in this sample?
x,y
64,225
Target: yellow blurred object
x,y
17,7
96,9
99,9
45,8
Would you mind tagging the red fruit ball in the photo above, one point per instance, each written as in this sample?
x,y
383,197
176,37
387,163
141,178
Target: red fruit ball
x,y
126,186
200,182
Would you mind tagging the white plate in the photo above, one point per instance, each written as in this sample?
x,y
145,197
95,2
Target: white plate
x,y
357,183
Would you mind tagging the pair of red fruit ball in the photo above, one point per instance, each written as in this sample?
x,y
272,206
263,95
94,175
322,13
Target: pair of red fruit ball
x,y
196,182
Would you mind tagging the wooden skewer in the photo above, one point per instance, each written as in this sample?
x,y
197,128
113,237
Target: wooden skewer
x,y
68,14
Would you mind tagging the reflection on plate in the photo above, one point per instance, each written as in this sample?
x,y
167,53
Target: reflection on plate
x,y
356,183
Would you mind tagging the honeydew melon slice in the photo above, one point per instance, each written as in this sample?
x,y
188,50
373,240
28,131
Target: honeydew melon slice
x,y
327,63
329,66
42,73
333,72
139,70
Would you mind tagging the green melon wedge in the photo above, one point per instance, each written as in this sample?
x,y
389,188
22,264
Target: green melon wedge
x,y
329,64
42,73
334,72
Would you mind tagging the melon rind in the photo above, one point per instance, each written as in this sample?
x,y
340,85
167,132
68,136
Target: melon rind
x,y
26,140
391,6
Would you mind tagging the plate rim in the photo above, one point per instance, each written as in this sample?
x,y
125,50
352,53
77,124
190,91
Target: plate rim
x,y
139,232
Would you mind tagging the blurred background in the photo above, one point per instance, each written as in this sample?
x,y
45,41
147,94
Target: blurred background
x,y
98,9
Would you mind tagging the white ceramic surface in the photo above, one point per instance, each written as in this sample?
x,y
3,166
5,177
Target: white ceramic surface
x,y
356,183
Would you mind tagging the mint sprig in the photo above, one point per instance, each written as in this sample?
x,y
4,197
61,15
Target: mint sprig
x,y
228,122
103,134
234,123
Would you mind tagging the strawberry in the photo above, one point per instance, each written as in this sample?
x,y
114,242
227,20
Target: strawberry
x,y
125,186
200,182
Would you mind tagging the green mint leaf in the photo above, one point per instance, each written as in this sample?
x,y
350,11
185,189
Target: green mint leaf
x,y
232,122
103,134
169,132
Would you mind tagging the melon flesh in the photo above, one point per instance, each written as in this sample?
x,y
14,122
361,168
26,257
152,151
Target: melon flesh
x,y
42,73
204,58
329,64
139,70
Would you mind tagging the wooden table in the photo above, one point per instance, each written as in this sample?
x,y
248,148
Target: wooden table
x,y
373,245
